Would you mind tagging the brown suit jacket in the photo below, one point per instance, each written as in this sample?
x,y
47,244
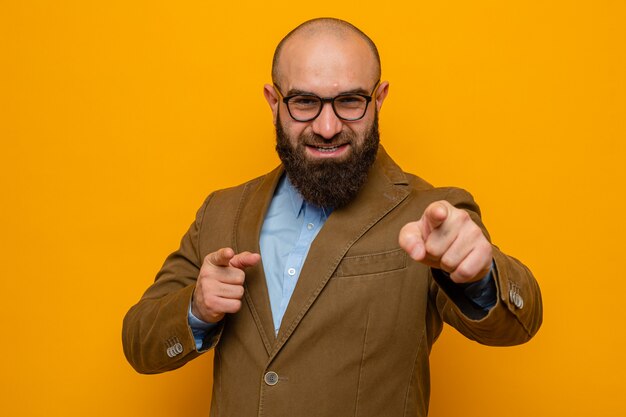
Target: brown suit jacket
x,y
357,333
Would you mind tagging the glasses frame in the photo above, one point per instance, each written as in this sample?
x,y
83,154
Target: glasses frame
x,y
330,100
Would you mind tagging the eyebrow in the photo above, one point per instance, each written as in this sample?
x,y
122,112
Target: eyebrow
x,y
298,92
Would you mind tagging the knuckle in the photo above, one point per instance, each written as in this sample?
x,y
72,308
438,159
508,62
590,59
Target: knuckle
x,y
239,277
239,291
463,215
205,278
220,305
234,306
464,272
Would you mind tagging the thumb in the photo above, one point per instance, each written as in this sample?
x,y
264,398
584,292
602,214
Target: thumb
x,y
245,259
434,216
221,257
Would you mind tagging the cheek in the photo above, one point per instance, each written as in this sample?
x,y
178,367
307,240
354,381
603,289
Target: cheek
x,y
294,133
292,130
358,131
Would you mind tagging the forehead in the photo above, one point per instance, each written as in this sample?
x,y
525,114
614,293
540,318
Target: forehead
x,y
326,64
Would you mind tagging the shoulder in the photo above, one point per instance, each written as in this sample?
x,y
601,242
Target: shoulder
x,y
421,192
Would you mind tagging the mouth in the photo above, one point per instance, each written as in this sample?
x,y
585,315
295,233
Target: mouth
x,y
327,151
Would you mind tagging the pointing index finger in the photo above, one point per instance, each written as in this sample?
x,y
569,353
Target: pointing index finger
x,y
221,257
245,259
436,214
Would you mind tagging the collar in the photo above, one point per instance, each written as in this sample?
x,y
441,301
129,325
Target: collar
x,y
298,204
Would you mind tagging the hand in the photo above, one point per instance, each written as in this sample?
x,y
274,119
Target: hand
x,y
219,288
446,238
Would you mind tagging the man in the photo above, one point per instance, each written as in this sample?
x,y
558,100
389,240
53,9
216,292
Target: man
x,y
323,284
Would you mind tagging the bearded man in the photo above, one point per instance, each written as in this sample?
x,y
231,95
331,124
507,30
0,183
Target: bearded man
x,y
323,284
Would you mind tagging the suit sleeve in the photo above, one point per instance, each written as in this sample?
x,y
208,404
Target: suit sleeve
x,y
156,335
517,315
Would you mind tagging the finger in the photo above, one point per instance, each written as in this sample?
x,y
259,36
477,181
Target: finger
x,y
204,307
457,225
474,266
455,254
435,215
221,257
245,259
230,291
230,306
231,276
411,240
224,305
438,243
211,306
468,238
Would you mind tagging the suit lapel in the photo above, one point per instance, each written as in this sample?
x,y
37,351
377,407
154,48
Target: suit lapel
x,y
251,214
342,229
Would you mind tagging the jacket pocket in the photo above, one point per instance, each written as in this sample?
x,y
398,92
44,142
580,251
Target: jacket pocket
x,y
374,263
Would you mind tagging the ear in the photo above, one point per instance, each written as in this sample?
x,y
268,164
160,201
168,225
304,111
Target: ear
x,y
271,96
382,91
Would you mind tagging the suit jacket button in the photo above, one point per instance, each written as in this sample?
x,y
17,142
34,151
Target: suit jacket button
x,y
515,297
271,378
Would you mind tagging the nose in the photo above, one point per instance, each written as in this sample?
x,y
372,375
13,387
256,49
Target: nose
x,y
327,124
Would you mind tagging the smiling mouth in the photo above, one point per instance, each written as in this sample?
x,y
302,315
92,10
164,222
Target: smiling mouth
x,y
331,149
327,149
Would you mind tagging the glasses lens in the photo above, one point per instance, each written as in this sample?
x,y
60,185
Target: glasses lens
x,y
304,107
350,107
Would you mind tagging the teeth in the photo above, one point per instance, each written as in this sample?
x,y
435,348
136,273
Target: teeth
x,y
333,149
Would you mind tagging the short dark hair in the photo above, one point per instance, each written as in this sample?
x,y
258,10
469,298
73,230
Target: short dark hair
x,y
330,24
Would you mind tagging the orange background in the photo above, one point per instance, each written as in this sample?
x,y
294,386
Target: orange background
x,y
117,118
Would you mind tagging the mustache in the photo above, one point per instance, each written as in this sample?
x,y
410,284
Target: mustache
x,y
341,138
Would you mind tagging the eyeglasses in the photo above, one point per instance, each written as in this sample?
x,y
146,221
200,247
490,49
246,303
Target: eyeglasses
x,y
347,106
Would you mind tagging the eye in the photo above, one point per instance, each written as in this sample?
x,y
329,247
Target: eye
x,y
304,101
350,101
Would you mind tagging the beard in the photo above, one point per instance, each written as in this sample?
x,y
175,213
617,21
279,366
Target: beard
x,y
328,183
